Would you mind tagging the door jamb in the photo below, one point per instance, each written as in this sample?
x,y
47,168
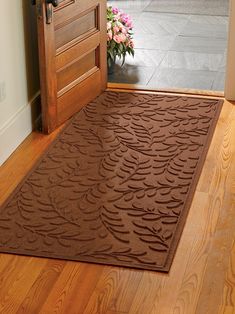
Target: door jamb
x,y
230,67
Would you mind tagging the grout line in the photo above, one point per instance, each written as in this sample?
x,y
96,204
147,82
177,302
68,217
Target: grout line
x,y
152,76
189,13
201,36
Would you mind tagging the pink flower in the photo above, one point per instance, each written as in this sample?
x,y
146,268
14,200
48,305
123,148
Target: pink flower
x,y
129,24
129,43
123,37
109,25
110,35
115,10
119,35
124,17
120,38
117,38
116,29
124,30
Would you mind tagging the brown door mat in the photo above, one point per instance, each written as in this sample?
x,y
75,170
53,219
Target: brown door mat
x,y
116,185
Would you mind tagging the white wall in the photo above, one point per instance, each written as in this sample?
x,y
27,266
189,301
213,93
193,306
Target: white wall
x,y
19,82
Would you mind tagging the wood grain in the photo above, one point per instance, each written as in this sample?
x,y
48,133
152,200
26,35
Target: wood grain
x,y
114,291
16,281
186,91
228,301
75,39
76,282
222,196
202,277
40,288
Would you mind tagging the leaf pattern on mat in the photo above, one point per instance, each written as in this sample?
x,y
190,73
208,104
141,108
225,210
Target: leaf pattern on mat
x,y
114,186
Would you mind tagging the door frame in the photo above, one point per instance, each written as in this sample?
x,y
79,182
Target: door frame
x,y
229,91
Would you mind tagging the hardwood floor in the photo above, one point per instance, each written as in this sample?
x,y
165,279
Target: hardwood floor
x,y
202,277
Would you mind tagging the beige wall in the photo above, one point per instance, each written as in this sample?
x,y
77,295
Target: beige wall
x,y
18,72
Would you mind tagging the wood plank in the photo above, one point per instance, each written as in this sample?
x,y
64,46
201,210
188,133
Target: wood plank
x,y
211,161
17,280
228,298
114,291
222,196
41,287
72,290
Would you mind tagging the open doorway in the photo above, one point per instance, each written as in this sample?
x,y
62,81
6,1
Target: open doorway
x,y
178,45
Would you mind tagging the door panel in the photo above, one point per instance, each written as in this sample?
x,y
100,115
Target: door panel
x,y
77,51
76,29
63,3
68,103
74,71
72,49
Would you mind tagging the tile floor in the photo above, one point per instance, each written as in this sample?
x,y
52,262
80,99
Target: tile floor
x,y
175,50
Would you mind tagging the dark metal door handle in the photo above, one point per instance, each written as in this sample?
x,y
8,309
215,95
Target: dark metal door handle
x,y
55,3
49,11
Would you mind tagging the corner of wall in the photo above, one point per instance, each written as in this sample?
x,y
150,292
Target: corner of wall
x,y
18,127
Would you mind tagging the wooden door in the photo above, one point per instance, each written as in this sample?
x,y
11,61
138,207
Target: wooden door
x,y
72,56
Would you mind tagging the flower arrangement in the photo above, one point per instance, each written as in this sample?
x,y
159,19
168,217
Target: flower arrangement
x,y
119,35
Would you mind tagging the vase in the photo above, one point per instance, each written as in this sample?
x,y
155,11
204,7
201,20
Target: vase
x,y
111,66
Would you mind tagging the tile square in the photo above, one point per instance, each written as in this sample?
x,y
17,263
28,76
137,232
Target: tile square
x,y
204,7
199,44
181,78
219,82
209,19
194,29
160,24
151,41
130,6
192,61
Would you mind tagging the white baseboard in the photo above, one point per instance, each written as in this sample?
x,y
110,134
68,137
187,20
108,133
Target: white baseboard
x,y
18,127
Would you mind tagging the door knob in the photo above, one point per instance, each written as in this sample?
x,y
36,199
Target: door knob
x,y
55,3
